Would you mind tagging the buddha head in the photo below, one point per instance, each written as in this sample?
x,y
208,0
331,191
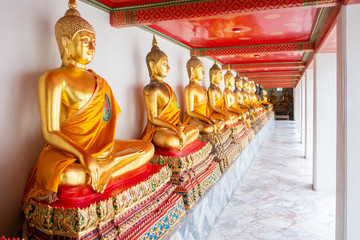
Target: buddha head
x,y
215,74
157,62
75,37
229,78
238,82
195,69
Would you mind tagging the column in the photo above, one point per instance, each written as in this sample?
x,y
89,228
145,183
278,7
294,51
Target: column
x,y
309,117
303,109
297,107
324,152
348,128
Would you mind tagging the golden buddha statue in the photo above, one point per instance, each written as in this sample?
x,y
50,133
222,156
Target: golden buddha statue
x,y
240,96
216,99
286,98
230,97
273,98
78,114
163,128
197,109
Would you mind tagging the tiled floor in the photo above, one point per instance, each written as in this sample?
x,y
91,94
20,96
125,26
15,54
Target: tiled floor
x,y
275,199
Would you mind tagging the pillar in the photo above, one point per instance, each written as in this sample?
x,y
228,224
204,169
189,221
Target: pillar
x,y
303,109
297,108
324,152
348,128
309,117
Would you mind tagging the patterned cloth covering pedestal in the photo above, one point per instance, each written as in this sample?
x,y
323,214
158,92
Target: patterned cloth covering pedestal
x,y
134,206
194,170
220,145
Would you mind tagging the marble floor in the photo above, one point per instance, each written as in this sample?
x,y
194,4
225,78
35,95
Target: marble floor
x,y
275,199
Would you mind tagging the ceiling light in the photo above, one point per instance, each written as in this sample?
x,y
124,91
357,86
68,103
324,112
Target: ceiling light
x,y
256,56
237,30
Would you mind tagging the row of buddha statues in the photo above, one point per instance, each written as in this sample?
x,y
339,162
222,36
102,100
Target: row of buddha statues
x,y
86,184
286,98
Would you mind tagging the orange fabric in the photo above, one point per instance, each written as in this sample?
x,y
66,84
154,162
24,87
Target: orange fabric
x,y
92,127
201,108
170,114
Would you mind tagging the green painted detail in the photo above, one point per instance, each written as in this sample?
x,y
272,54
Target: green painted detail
x,y
107,109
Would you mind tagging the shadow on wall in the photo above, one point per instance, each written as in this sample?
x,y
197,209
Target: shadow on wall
x,y
23,140
21,152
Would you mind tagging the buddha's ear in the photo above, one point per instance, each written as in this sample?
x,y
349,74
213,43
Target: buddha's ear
x,y
65,42
151,64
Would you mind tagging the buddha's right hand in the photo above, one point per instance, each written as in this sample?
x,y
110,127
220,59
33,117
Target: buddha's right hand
x,y
92,167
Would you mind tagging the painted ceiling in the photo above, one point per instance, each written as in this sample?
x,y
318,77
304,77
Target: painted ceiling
x,y
270,42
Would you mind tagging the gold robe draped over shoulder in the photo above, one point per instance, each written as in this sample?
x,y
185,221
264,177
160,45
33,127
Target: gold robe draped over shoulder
x,y
170,114
220,103
92,127
201,108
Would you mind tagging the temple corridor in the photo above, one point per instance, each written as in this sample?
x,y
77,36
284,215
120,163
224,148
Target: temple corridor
x,y
275,199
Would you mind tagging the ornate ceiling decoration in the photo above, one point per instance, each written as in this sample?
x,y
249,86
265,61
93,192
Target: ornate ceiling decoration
x,y
271,42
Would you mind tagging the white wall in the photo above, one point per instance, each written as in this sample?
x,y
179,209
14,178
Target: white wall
x,y
29,48
324,152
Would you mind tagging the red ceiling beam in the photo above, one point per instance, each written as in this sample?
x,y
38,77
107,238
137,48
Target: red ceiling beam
x,y
271,74
260,49
273,79
153,13
264,66
279,86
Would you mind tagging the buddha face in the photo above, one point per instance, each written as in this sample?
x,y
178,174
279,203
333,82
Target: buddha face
x,y
81,48
216,78
161,68
231,81
238,84
198,73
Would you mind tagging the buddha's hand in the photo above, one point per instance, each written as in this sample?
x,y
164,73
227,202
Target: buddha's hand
x,y
93,169
132,151
179,131
211,122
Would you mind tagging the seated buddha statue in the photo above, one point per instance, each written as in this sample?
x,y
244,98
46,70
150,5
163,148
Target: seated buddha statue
x,y
78,117
216,99
240,95
286,98
163,127
230,97
197,109
273,98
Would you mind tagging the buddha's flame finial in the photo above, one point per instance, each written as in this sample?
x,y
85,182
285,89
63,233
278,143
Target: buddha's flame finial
x,y
154,43
193,53
215,61
229,67
72,4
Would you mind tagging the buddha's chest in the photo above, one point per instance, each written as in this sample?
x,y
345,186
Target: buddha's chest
x,y
163,97
77,93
